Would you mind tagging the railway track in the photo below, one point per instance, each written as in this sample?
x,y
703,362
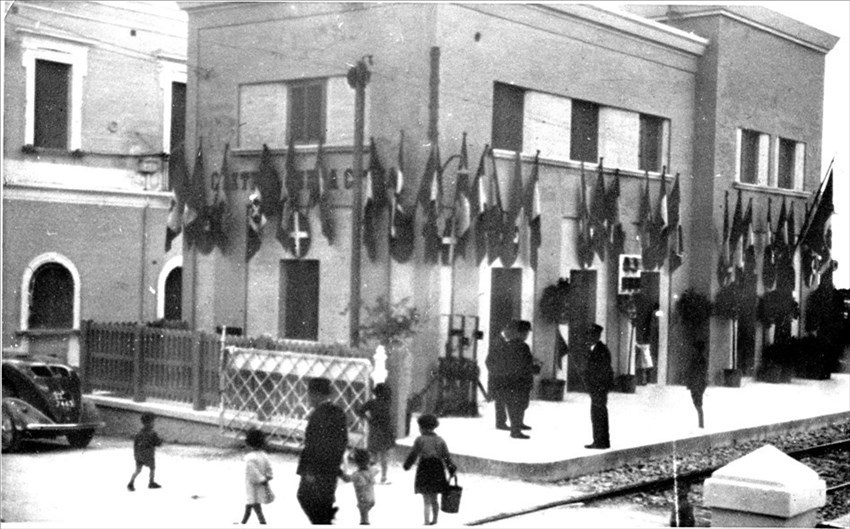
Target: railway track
x,y
690,478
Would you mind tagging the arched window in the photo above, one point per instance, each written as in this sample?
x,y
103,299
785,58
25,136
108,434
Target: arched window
x,y
51,298
174,294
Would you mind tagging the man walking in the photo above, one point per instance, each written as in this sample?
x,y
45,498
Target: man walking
x,y
320,464
600,379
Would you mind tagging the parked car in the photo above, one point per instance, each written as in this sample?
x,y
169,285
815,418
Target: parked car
x,y
42,398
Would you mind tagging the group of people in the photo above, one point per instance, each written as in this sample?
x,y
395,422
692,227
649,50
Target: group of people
x,y
511,368
320,465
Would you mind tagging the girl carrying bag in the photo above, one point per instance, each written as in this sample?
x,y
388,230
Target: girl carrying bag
x,y
450,501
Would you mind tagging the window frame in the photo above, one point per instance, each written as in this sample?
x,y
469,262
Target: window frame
x,y
37,48
170,72
763,175
660,127
291,126
508,127
573,115
27,278
798,163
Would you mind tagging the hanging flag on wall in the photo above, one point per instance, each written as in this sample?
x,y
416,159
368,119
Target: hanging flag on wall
x,y
256,220
749,243
659,224
645,221
402,229
461,217
532,211
736,236
513,218
816,236
431,200
724,260
324,200
298,239
478,206
221,219
673,229
177,181
268,184
768,262
495,213
201,228
373,204
292,195
585,242
616,234
598,230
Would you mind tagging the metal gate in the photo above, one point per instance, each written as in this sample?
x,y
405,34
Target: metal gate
x,y
267,390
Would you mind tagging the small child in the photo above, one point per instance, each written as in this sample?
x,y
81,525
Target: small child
x,y
434,459
381,430
144,451
364,483
258,472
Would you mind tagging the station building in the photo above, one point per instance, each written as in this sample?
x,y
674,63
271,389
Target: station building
x,y
94,103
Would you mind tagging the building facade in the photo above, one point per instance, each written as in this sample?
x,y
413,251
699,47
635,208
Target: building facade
x,y
94,103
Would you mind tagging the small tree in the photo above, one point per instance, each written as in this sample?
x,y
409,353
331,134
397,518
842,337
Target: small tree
x,y
389,324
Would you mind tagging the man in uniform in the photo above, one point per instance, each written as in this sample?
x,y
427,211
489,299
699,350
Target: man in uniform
x,y
599,377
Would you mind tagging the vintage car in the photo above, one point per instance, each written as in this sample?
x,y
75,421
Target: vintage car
x,y
42,398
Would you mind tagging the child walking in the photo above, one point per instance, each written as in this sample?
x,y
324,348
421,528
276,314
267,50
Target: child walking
x,y
381,431
258,472
434,459
364,483
144,451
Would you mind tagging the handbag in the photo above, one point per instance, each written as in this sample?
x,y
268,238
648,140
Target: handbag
x,y
450,500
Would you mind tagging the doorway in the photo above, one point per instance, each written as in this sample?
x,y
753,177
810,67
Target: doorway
x,y
505,299
582,314
298,316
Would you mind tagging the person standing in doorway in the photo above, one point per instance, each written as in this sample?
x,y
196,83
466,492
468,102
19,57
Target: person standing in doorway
x,y
320,464
497,370
600,379
520,379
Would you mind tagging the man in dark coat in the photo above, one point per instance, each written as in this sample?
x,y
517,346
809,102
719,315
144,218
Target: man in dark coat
x,y
511,366
320,464
497,369
599,378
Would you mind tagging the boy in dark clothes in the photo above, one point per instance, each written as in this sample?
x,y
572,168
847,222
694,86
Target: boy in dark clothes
x,y
320,464
144,451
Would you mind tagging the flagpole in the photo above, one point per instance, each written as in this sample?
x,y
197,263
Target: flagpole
x,y
358,78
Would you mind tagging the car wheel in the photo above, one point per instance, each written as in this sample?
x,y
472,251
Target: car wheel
x,y
80,438
11,435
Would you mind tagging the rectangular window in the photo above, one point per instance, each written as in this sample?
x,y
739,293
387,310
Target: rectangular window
x,y
52,82
786,164
749,156
651,138
307,111
508,110
584,131
178,115
299,299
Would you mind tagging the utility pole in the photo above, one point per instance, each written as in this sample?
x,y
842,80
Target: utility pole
x,y
358,78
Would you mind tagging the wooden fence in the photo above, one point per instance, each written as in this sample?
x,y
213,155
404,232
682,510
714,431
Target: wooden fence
x,y
141,362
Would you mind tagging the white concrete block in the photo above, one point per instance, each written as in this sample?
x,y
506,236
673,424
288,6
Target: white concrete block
x,y
766,483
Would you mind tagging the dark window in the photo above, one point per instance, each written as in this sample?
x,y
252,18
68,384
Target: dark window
x,y
651,138
299,299
178,115
508,110
749,156
174,295
52,81
785,170
584,132
51,298
307,112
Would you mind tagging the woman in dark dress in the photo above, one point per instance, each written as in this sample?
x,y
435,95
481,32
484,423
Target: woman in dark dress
x,y
434,459
381,431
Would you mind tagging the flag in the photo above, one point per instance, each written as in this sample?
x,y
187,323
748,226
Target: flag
x,y
268,184
324,200
645,221
402,232
785,275
749,243
736,236
293,195
297,239
199,228
585,244
598,229
616,234
780,239
792,233
221,218
448,242
373,188
659,224
677,248
768,261
478,207
724,260
816,235
495,213
431,199
510,238
674,230
532,211
177,180
256,220
461,217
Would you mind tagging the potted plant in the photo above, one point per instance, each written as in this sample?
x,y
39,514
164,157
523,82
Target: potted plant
x,y
727,305
694,310
554,308
627,304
